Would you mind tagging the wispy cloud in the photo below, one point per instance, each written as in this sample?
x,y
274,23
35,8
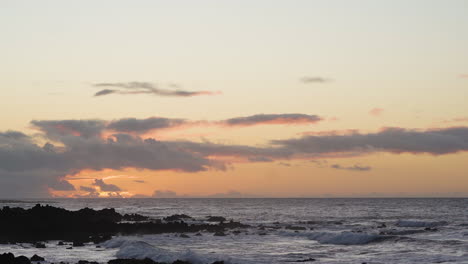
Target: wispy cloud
x,y
314,79
262,119
351,168
145,88
376,111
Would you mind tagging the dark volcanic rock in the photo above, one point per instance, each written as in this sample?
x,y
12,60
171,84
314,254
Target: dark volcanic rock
x,y
131,261
135,217
216,219
21,260
37,258
295,228
219,233
43,223
39,245
7,258
177,217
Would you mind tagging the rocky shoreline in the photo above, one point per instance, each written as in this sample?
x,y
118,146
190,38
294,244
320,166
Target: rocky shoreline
x,y
75,228
9,258
45,223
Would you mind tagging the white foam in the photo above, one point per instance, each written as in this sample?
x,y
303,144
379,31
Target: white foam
x,y
131,248
343,238
411,223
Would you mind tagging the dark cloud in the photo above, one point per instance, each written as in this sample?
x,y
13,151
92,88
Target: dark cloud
x,y
105,92
145,88
62,185
314,79
129,125
106,187
87,189
351,168
272,119
58,128
393,140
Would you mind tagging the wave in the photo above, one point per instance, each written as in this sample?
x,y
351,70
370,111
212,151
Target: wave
x,y
129,248
345,238
411,223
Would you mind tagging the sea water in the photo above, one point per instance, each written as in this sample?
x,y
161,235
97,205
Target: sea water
x,y
396,230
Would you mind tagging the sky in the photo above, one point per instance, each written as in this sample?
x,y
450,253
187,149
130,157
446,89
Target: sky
x,y
233,98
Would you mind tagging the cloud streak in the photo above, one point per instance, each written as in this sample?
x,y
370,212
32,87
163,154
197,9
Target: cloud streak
x,y
355,167
145,88
270,119
314,79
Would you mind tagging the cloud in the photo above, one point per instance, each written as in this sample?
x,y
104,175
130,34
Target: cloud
x,y
129,125
106,187
314,79
30,168
393,140
351,168
58,128
139,181
62,185
463,75
259,159
456,120
145,88
262,119
376,111
87,189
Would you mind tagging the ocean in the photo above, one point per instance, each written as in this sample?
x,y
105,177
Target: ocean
x,y
344,230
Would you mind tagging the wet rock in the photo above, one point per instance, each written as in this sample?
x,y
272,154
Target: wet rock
x,y
134,217
198,234
37,258
39,245
296,228
216,219
87,262
132,261
382,225
306,260
60,243
177,217
21,260
184,236
7,258
78,244
219,234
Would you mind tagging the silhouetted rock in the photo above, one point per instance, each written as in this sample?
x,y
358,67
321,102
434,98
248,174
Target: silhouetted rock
x,y
177,217
78,244
21,260
216,219
295,228
39,245
43,223
37,258
7,258
134,217
219,233
306,260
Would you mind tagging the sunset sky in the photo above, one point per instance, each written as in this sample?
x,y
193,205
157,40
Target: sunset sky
x,y
234,98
